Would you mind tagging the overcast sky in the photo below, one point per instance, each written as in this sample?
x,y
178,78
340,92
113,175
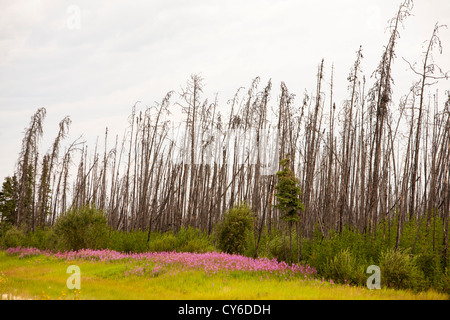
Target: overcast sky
x,y
92,60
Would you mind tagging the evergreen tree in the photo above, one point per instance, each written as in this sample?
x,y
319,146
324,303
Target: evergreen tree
x,y
288,197
8,203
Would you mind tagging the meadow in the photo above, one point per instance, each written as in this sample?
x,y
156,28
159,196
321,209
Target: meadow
x,y
29,273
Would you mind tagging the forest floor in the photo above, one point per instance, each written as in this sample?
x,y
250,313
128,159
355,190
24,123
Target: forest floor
x,y
43,277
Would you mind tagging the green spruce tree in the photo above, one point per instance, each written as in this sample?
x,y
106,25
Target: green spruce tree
x,y
8,203
288,197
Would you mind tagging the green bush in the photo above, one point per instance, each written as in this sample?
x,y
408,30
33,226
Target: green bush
x,y
250,245
430,264
13,238
84,228
186,240
232,232
344,268
400,271
162,242
41,239
279,248
134,241
193,240
51,239
264,244
197,245
446,282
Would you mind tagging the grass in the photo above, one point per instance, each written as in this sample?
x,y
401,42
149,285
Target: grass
x,y
44,277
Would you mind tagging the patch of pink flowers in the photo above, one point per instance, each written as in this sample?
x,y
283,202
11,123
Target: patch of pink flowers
x,y
210,262
27,252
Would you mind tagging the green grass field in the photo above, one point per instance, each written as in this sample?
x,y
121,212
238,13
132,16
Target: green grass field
x,y
42,277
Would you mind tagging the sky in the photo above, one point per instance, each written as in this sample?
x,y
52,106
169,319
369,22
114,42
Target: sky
x,y
93,60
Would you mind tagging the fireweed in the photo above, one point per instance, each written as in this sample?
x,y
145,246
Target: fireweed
x,y
155,263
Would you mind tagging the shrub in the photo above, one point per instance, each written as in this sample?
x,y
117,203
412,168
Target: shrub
x,y
446,282
399,270
250,245
263,247
162,242
13,238
343,267
429,263
318,251
51,240
38,239
186,240
134,241
197,245
84,228
193,240
232,232
278,247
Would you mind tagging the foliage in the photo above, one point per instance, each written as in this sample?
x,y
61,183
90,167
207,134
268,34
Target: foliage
x,y
162,242
278,247
42,239
344,267
232,232
186,240
14,237
402,268
134,241
399,270
288,193
8,203
81,229
446,282
193,240
288,201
